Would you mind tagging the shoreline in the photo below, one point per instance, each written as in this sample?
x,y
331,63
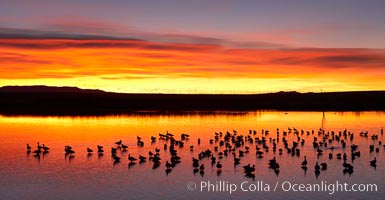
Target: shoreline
x,y
39,100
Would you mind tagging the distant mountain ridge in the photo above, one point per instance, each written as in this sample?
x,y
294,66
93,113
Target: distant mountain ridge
x,y
45,100
70,89
43,88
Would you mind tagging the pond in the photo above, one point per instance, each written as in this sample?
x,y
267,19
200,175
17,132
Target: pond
x,y
81,175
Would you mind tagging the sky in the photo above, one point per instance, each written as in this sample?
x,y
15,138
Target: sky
x,y
179,46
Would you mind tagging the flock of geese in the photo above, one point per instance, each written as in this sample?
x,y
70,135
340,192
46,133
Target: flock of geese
x,y
235,145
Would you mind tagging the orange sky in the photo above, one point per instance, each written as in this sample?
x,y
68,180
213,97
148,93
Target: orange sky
x,y
184,46
144,66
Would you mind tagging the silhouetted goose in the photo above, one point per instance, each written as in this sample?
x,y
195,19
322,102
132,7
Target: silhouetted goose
x,y
195,160
280,151
114,150
142,158
213,160
168,165
100,149
118,142
45,148
373,162
175,159
219,165
162,135
356,154
241,153
272,161
371,148
156,159
140,143
317,167
131,159
169,134
248,168
348,168
273,164
68,150
247,148
184,136
304,162
155,165
195,164
116,158
202,167
344,157
324,166
236,161
28,147
89,150
39,147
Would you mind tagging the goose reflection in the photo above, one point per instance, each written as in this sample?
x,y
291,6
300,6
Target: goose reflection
x,y
131,164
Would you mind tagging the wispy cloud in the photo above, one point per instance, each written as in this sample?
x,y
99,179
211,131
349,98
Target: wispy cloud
x,y
36,55
78,57
131,35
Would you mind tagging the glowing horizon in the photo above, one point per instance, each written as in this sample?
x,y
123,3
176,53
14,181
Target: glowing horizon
x,y
107,54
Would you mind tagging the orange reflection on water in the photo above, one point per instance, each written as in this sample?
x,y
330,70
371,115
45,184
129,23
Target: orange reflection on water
x,y
81,132
105,130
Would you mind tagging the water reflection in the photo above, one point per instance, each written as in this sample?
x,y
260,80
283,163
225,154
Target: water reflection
x,y
264,146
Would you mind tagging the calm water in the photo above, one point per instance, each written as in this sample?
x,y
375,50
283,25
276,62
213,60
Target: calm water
x,y
55,176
